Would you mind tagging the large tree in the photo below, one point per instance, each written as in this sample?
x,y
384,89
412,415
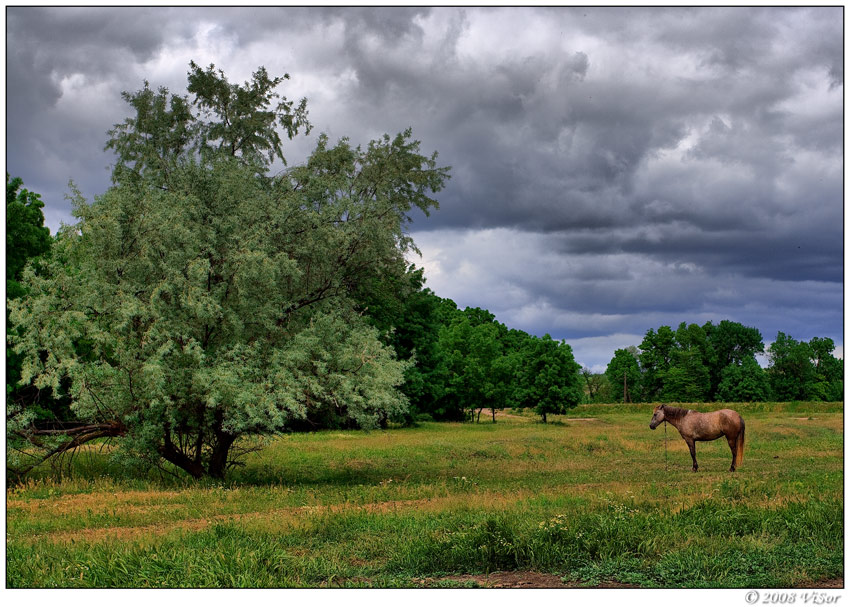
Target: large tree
x,y
199,301
688,379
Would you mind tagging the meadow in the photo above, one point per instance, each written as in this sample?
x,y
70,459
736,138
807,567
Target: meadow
x,y
586,500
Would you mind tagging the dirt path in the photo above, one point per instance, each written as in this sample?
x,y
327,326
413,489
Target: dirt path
x,y
514,579
534,579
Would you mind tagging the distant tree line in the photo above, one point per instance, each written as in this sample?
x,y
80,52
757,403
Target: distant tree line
x,y
711,362
465,361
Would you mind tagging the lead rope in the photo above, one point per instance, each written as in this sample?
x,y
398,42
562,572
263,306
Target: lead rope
x,y
665,445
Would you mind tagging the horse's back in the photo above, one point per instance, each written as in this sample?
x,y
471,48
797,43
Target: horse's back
x,y
730,420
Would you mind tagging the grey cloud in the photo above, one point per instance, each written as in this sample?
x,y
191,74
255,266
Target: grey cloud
x,y
680,162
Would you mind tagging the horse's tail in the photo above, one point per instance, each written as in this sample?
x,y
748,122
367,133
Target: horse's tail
x,y
739,451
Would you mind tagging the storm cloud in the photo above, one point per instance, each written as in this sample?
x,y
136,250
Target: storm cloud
x,y
613,169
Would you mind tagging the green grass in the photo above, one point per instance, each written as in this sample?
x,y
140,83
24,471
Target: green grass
x,y
586,499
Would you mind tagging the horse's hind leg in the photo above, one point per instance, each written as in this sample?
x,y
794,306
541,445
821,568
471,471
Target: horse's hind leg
x,y
733,445
693,449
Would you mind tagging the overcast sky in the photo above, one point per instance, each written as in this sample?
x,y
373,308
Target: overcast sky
x,y
613,169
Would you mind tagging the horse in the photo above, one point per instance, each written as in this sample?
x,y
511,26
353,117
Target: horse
x,y
695,426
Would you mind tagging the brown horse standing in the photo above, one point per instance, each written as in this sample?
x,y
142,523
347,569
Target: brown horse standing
x,y
694,426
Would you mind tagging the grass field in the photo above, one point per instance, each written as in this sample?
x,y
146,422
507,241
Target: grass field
x,y
583,501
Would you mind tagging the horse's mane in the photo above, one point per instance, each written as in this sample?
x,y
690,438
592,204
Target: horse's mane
x,y
674,412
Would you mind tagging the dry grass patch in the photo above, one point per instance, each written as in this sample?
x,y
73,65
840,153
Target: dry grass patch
x,y
100,502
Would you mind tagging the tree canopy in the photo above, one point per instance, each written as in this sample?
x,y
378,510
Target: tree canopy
x,y
26,235
199,301
718,363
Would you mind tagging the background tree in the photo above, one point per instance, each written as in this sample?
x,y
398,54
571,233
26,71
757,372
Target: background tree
x,y
27,238
656,358
623,369
743,382
27,241
217,303
471,350
828,381
729,343
596,386
550,378
687,379
791,370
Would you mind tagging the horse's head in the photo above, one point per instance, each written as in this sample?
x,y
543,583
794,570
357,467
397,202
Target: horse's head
x,y
657,417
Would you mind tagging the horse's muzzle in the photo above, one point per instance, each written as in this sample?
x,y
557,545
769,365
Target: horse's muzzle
x,y
651,427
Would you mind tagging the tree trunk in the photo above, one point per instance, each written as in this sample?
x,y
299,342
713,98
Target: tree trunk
x,y
218,460
171,454
494,414
544,417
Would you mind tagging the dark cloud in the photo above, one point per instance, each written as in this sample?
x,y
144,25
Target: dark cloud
x,y
666,164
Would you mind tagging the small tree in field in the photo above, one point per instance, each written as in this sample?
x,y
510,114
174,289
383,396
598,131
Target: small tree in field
x,y
550,380
199,301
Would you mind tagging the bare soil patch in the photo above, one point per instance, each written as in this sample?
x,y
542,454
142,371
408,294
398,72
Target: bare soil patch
x,y
516,579
502,415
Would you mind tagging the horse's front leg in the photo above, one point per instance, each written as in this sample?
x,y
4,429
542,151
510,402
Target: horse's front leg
x,y
692,446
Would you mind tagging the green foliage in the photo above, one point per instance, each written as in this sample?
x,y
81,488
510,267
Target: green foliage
x,y
804,371
687,380
623,368
656,358
597,388
694,362
744,382
28,241
222,303
405,314
239,121
27,237
470,353
729,343
242,120
790,368
550,382
828,384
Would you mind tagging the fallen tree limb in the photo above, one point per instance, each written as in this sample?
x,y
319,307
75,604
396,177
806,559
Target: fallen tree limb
x,y
80,435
